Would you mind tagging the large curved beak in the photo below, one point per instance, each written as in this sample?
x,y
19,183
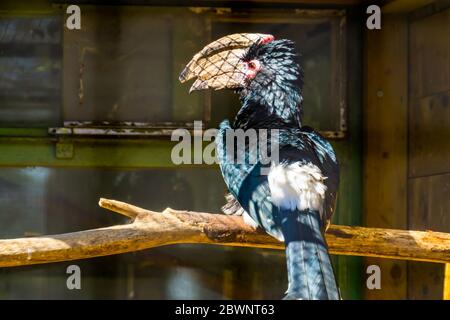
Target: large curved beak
x,y
219,65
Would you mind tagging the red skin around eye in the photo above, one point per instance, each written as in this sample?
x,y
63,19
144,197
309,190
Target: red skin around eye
x,y
253,67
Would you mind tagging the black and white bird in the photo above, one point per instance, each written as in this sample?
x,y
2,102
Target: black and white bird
x,y
294,197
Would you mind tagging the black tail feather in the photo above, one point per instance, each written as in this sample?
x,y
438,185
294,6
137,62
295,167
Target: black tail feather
x,y
310,273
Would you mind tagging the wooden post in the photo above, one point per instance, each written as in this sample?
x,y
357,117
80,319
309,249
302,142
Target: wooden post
x,y
447,282
385,141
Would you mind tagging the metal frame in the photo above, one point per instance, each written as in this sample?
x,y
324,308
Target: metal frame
x,y
119,129
135,129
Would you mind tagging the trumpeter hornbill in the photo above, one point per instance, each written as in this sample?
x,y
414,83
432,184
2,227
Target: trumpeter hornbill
x,y
294,202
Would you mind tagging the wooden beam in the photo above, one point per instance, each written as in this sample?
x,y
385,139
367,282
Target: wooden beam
x,y
150,229
317,2
404,6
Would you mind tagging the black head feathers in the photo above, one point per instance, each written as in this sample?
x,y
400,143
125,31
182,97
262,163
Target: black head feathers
x,y
277,85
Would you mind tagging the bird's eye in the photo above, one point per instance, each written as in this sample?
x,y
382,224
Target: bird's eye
x,y
253,67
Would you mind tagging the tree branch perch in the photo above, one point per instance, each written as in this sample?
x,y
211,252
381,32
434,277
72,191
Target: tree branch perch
x,y
150,229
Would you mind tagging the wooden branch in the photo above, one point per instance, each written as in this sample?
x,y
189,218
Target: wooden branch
x,y
150,229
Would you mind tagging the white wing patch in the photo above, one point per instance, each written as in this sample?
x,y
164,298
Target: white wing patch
x,y
297,186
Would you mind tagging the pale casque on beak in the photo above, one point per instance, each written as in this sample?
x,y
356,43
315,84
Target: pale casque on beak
x,y
220,64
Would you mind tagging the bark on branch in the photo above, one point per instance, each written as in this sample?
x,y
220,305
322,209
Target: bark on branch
x,y
150,229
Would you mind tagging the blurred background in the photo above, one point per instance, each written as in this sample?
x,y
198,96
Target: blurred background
x,y
88,113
